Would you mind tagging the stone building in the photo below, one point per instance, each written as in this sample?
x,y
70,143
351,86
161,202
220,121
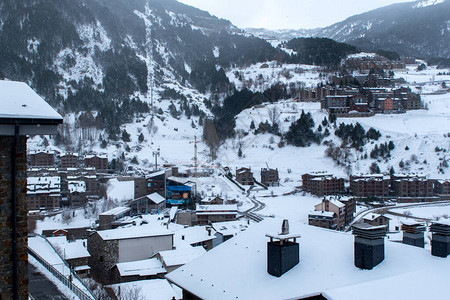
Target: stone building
x,y
44,192
326,186
110,247
413,187
100,162
41,158
23,113
245,176
269,177
153,203
69,160
369,185
207,214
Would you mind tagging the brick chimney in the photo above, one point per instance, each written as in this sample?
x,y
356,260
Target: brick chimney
x,y
369,245
282,251
440,241
413,233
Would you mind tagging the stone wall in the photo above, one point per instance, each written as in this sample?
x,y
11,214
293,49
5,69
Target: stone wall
x,y
6,266
104,256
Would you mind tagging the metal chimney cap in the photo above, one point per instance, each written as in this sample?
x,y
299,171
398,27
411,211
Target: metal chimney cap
x,y
285,227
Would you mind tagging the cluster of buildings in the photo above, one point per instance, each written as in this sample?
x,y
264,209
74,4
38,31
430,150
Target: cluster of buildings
x,y
51,159
64,179
401,187
126,247
377,93
364,63
352,101
51,188
269,177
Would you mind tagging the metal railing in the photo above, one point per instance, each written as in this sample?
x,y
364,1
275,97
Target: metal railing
x,y
66,281
67,265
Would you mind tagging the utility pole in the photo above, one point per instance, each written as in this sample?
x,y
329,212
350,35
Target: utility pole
x,y
156,154
151,98
195,155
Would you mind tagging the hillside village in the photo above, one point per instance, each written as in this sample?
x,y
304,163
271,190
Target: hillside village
x,y
179,212
266,164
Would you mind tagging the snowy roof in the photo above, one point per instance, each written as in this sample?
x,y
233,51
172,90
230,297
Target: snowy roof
x,y
195,234
238,270
69,153
216,208
133,232
410,222
162,172
77,186
372,216
181,256
19,101
41,151
69,250
155,197
96,155
116,211
322,213
337,203
230,228
155,289
146,267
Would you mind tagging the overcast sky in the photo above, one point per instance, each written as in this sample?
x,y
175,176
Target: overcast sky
x,y
287,14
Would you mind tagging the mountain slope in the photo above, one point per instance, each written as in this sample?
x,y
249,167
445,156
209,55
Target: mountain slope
x,y
420,28
95,54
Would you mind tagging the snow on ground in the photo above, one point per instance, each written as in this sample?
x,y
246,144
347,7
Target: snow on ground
x,y
261,76
220,186
43,248
293,207
120,190
156,289
428,212
65,220
59,285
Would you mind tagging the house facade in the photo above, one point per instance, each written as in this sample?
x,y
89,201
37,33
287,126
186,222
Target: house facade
x,y
109,247
245,176
269,177
207,214
41,158
99,162
369,185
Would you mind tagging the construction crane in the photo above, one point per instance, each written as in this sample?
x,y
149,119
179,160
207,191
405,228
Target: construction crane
x,y
195,142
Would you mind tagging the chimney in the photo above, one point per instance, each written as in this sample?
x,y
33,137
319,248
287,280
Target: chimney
x,y
440,241
282,251
413,233
369,245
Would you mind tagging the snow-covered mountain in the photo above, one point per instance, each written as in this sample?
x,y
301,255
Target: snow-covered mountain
x,y
420,28
94,54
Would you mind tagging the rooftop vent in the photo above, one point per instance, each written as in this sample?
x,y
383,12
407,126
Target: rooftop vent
x,y
413,233
369,245
282,251
440,242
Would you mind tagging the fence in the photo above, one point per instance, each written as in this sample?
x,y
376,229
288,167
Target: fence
x,y
76,290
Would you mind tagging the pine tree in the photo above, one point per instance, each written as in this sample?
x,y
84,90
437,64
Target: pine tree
x,y
141,138
240,152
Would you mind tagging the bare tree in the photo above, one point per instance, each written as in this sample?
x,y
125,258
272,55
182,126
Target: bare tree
x,y
274,115
211,138
129,293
